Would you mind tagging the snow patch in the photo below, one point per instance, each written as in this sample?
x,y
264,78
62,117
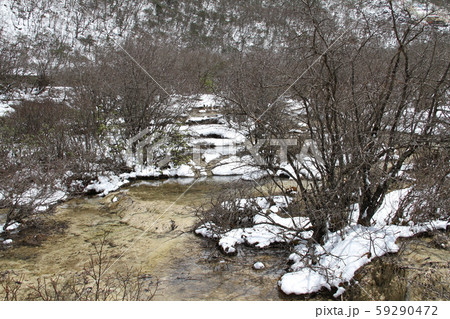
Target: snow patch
x,y
5,109
11,227
216,130
106,184
258,265
109,182
7,242
343,254
235,165
337,260
205,100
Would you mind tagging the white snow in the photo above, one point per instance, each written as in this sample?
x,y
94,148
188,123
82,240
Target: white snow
x,y
235,165
309,280
268,227
305,166
208,157
106,184
54,198
180,171
205,100
258,265
389,207
343,254
217,117
337,260
7,242
207,230
261,203
109,182
42,199
11,227
267,230
5,109
218,130
339,292
255,175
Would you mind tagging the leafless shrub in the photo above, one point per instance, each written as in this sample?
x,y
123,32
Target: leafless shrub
x,y
239,203
429,197
95,282
10,284
232,207
40,155
225,210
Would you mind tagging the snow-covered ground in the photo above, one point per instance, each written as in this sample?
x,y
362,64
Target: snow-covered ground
x,y
235,165
10,228
214,147
338,259
5,109
343,254
109,182
57,94
217,143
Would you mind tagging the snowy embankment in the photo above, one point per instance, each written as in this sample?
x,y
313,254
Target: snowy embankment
x,y
235,165
338,259
218,145
268,228
110,182
343,254
215,141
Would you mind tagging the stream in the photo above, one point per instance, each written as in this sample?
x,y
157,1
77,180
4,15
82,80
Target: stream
x,y
151,223
150,227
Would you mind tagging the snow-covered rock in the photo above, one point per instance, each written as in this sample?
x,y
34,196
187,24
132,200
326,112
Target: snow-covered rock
x,y
5,109
106,184
258,265
7,242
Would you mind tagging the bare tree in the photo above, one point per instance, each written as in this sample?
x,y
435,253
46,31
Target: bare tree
x,y
370,97
41,155
118,96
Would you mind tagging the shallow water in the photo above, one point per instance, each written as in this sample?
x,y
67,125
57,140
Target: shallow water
x,y
150,223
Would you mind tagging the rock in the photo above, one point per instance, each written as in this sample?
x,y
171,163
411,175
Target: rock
x,y
258,265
